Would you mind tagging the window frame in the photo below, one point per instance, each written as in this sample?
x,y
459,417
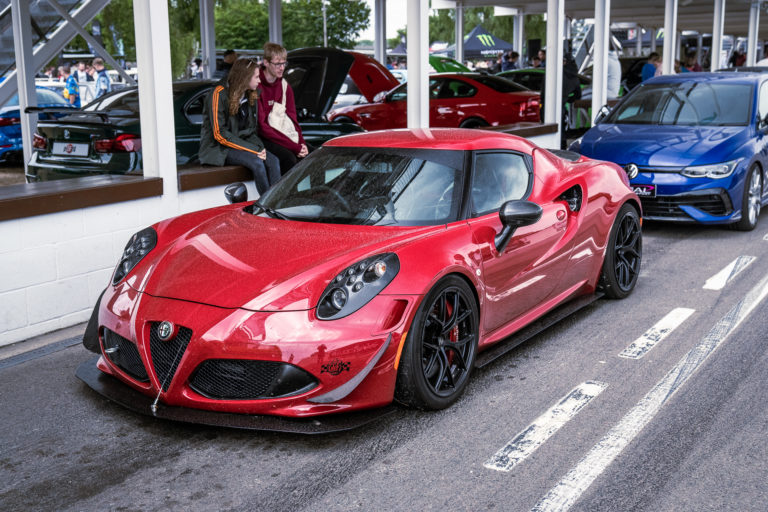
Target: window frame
x,y
527,161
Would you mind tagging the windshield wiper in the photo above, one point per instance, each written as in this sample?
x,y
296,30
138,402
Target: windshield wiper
x,y
271,212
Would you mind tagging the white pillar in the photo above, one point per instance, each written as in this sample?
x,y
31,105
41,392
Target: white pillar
x,y
380,31
553,108
600,55
717,35
459,32
418,64
754,21
276,21
519,36
153,56
654,33
207,38
639,42
699,45
670,36
25,73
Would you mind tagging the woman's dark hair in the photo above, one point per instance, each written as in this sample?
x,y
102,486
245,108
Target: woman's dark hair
x,y
239,79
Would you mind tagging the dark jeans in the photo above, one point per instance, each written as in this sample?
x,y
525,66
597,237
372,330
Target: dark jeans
x,y
287,157
265,172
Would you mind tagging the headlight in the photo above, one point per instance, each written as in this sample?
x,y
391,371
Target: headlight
x,y
711,171
138,246
357,285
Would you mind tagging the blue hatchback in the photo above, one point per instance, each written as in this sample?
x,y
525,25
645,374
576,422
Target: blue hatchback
x,y
10,119
695,146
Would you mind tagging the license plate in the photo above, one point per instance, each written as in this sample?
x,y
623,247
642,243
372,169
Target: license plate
x,y
70,148
644,190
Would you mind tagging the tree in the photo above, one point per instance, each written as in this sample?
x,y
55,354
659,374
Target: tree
x,y
241,24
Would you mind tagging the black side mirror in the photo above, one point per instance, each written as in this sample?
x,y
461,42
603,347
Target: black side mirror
x,y
762,123
236,193
602,113
513,215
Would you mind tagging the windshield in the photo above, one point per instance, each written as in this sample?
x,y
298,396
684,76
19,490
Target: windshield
x,y
371,186
686,103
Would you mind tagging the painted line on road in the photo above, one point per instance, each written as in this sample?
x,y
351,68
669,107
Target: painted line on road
x,y
563,495
40,352
765,238
719,280
655,334
543,427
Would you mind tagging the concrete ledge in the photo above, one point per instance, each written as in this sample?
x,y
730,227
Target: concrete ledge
x,y
27,200
203,176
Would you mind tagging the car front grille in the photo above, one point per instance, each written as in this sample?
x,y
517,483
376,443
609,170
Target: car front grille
x,y
244,379
669,206
166,355
124,354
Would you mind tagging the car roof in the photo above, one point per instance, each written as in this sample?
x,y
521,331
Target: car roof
x,y
435,138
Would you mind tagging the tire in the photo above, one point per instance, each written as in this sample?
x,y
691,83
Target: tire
x,y
623,255
750,200
440,349
473,122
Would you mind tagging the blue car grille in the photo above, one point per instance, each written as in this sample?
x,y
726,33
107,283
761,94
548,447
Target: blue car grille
x,y
717,204
166,355
124,354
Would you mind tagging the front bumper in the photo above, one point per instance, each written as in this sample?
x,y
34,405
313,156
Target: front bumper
x,y
351,361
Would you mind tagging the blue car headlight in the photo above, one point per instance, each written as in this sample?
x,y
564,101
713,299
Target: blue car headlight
x,y
138,246
722,170
357,285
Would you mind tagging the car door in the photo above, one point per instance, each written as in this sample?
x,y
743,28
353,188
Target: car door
x,y
450,102
188,124
762,131
524,274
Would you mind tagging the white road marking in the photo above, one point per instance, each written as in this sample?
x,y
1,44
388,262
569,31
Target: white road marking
x,y
719,280
563,495
655,334
543,427
765,237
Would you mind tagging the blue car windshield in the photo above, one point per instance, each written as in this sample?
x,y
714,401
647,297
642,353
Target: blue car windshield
x,y
686,104
371,186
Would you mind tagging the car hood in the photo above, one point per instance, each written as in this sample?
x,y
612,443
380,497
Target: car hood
x,y
235,259
317,74
663,146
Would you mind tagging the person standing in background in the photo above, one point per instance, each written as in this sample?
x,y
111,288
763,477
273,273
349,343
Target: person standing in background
x,y
71,88
613,82
103,83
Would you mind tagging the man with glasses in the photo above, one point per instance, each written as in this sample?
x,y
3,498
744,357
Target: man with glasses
x,y
287,144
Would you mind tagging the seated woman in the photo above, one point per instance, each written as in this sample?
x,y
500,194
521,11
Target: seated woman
x,y
229,134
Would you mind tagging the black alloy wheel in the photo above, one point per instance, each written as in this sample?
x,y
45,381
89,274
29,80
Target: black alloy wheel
x,y
473,122
441,346
623,255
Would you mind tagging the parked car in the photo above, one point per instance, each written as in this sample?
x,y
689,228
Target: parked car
x,y
105,137
694,144
386,262
466,100
10,120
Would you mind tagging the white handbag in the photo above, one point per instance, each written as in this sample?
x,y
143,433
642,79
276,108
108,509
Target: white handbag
x,y
280,121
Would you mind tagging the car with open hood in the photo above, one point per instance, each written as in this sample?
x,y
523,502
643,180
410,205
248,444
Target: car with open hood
x,y
105,136
385,266
695,146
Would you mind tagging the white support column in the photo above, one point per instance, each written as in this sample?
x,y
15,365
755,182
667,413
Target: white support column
x,y
207,37
418,64
699,45
519,36
553,108
459,32
600,56
639,41
754,21
276,21
158,136
717,35
25,71
380,31
670,37
654,34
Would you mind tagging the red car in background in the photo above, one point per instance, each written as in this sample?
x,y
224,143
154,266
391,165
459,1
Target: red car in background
x,y
457,100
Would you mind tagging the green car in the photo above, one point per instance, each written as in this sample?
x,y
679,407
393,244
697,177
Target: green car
x,y
105,136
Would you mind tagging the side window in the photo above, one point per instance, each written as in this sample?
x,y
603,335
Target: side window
x,y
194,110
400,93
762,101
498,178
457,89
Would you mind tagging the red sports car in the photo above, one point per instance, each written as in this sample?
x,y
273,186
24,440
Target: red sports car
x,y
463,100
376,270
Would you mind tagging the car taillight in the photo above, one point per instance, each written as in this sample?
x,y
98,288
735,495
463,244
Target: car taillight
x,y
123,143
8,121
39,142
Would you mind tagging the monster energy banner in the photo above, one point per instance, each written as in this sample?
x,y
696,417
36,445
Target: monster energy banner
x,y
480,44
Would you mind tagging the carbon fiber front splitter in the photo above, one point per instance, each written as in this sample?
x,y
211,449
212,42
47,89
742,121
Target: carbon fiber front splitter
x,y
114,390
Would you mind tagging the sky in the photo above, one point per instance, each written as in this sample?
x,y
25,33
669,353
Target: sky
x,y
396,18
